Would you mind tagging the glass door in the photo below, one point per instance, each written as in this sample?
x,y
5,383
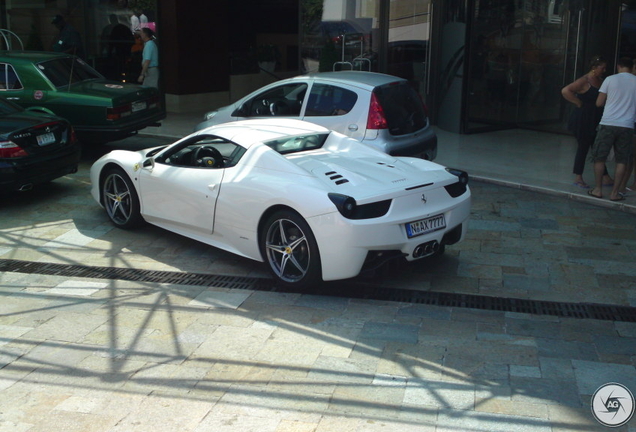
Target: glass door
x,y
517,63
408,42
522,53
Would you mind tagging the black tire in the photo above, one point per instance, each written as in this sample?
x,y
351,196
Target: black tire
x,y
120,199
290,251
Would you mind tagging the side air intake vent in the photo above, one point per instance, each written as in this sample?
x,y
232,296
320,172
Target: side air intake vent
x,y
337,178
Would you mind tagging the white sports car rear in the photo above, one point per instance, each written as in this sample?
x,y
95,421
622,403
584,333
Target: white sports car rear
x,y
313,204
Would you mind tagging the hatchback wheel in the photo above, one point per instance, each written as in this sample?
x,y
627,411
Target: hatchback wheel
x,y
290,250
120,199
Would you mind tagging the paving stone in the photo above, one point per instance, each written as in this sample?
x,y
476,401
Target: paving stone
x,y
390,332
439,394
479,271
525,371
544,391
542,224
460,420
508,407
556,368
591,375
220,299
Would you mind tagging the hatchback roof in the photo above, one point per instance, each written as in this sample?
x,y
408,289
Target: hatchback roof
x,y
373,79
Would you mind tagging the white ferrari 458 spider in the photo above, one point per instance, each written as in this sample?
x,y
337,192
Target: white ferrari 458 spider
x,y
313,204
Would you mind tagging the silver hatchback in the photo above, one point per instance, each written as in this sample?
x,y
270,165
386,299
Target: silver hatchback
x,y
380,110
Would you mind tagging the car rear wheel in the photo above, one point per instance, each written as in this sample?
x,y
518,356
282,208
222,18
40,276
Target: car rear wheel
x,y
289,248
120,199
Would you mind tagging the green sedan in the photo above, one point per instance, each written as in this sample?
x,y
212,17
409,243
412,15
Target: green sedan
x,y
64,85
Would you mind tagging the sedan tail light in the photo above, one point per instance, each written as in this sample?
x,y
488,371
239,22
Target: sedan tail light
x,y
376,118
121,111
154,102
9,149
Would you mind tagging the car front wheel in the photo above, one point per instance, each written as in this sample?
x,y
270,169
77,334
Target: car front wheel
x,y
120,199
289,248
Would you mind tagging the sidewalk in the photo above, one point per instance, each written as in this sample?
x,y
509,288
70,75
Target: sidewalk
x,y
106,353
519,158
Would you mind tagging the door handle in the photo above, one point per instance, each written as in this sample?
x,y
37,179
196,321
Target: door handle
x,y
353,127
13,98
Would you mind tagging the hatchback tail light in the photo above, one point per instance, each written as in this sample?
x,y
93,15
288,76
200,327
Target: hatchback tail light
x,y
9,149
376,119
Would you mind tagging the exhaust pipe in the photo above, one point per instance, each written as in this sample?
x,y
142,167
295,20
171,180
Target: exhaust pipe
x,y
426,249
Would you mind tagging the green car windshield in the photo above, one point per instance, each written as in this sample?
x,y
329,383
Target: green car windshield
x,y
67,70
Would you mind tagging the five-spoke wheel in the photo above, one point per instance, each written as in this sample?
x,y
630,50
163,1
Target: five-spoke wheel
x,y
290,250
120,199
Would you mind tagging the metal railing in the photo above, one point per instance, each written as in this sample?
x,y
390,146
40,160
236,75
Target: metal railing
x,y
8,37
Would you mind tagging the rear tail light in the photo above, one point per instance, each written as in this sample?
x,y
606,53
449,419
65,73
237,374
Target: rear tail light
x,y
376,119
154,102
424,105
119,112
73,137
46,125
122,111
9,149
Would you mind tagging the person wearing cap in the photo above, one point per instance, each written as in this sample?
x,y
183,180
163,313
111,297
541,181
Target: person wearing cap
x,y
69,40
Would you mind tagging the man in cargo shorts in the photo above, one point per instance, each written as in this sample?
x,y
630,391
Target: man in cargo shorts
x,y
616,129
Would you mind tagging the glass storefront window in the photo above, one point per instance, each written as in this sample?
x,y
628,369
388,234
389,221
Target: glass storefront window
x,y
339,35
108,31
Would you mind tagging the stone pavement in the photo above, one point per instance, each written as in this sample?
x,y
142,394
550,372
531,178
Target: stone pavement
x,y
80,354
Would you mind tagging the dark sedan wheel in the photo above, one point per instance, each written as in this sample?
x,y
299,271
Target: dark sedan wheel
x,y
290,250
120,199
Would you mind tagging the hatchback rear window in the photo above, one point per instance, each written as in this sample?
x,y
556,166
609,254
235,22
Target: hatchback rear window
x,y
403,108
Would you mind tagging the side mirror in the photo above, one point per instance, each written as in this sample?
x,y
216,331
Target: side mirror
x,y
149,163
241,111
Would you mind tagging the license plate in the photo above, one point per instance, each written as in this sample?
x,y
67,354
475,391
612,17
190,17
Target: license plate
x,y
425,226
45,139
138,106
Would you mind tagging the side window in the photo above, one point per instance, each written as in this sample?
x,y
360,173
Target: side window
x,y
8,78
328,100
281,101
203,151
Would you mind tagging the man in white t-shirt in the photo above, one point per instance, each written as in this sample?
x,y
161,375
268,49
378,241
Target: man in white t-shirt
x,y
616,129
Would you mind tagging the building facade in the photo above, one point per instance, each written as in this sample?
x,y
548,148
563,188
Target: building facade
x,y
479,65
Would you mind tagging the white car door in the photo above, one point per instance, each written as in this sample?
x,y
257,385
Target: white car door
x,y
183,197
338,107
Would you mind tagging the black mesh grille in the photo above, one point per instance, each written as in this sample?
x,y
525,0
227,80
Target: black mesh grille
x,y
350,289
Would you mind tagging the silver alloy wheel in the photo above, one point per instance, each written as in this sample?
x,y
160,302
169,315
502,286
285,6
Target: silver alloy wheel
x,y
118,199
288,251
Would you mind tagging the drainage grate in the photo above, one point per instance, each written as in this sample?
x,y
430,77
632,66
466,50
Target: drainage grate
x,y
350,289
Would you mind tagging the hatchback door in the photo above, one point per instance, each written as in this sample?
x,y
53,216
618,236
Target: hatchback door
x,y
338,107
402,107
284,100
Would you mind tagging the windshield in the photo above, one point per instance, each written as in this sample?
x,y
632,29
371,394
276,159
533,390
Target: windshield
x,y
67,70
294,144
